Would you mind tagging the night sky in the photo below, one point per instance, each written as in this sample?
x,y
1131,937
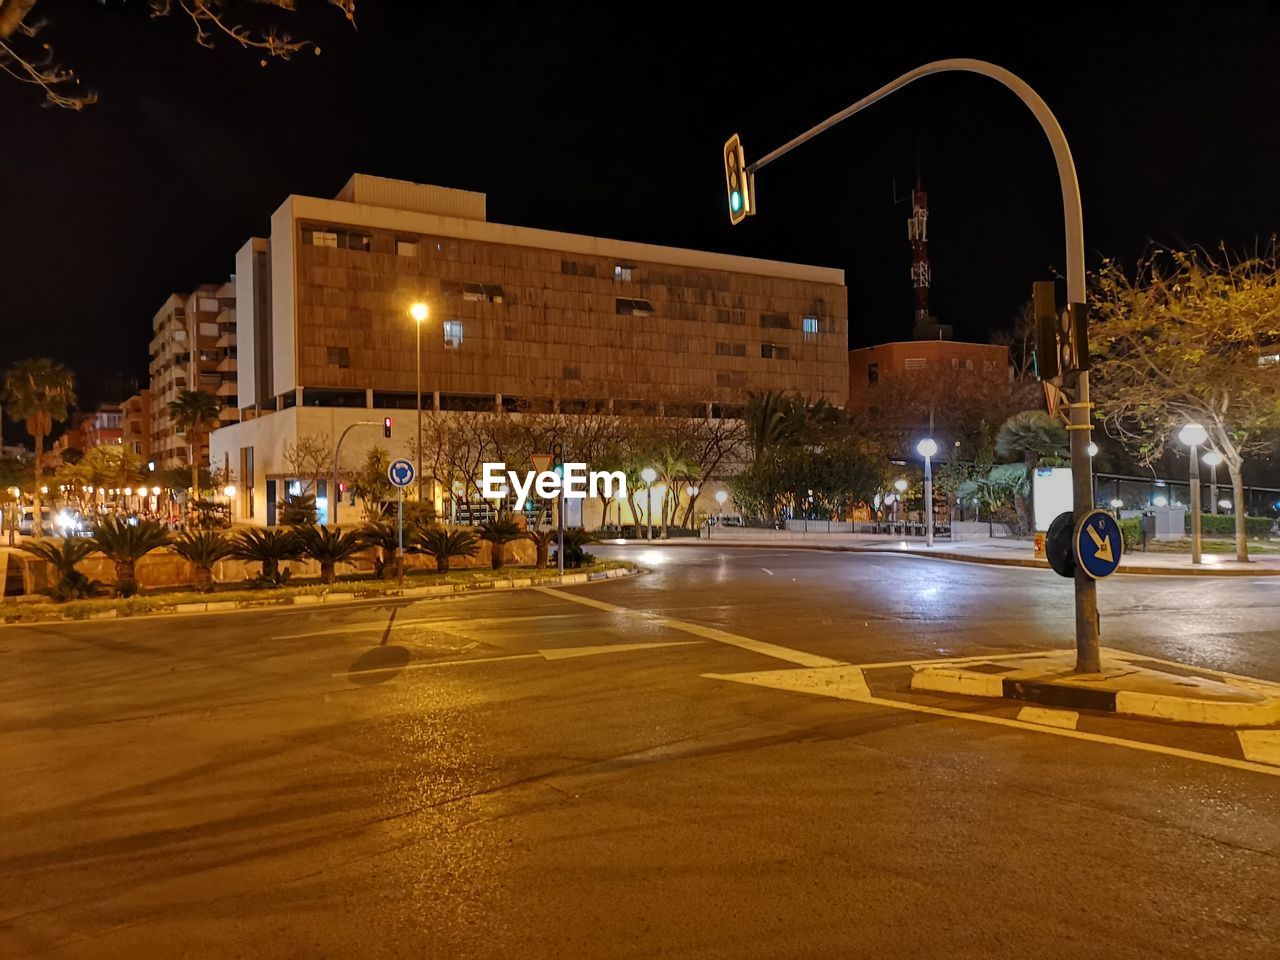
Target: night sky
x,y
609,119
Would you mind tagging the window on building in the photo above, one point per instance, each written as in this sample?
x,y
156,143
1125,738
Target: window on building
x,y
569,268
622,272
731,349
452,333
915,363
626,306
340,357
483,292
180,335
774,351
988,366
775,321
321,238
873,374
333,237
737,317
406,248
968,364
955,363
571,373
207,305
810,325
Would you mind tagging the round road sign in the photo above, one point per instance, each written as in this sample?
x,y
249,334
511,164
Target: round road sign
x,y
400,473
1099,544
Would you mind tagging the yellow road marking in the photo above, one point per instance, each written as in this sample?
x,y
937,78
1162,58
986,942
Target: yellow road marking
x,y
442,622
1066,719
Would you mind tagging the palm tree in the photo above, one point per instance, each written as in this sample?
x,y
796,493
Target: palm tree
x,y
124,544
203,549
575,541
443,544
1029,436
195,412
499,533
63,556
330,547
38,392
269,547
542,541
385,536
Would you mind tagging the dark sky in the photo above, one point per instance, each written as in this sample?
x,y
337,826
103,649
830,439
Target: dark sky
x,y
608,119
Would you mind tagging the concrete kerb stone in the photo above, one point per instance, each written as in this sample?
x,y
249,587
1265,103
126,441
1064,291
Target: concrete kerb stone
x,y
213,606
1255,703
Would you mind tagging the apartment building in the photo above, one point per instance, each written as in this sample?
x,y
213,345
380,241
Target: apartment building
x,y
136,423
103,426
520,318
193,347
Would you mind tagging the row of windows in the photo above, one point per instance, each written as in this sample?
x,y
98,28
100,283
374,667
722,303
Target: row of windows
x,y
483,403
622,272
920,363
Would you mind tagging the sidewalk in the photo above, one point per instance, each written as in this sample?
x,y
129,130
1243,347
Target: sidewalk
x,y
997,552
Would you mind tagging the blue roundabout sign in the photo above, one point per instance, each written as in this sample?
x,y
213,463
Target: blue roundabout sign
x,y
1099,544
400,472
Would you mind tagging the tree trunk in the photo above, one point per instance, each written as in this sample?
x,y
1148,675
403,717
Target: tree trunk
x,y
125,580
442,563
195,475
326,571
542,553
271,570
37,501
496,557
204,579
1237,497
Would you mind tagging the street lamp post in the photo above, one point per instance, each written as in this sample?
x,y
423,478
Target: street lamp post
x,y
927,448
1213,458
901,486
721,497
419,312
1193,435
648,475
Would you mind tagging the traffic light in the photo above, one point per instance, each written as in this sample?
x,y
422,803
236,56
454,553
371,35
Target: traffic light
x,y
557,458
1044,311
737,181
386,428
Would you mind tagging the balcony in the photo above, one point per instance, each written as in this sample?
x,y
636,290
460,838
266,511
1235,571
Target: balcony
x,y
229,415
226,389
226,365
227,339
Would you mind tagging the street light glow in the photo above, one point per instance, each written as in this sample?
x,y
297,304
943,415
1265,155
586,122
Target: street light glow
x,y
721,497
1193,435
1212,458
229,490
419,311
1093,449
900,486
648,474
927,447
155,491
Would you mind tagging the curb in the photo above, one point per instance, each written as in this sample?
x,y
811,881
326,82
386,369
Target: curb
x,y
1030,563
437,590
1148,706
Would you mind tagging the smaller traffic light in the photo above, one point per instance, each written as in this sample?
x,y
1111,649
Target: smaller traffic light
x,y
738,182
1044,312
386,428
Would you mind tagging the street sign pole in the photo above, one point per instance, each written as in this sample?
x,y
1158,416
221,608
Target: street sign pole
x,y
400,534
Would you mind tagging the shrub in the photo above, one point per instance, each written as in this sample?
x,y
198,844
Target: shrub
x,y
297,510
574,543
1131,532
203,550
269,547
542,541
1224,525
63,556
443,544
384,535
329,548
124,543
499,533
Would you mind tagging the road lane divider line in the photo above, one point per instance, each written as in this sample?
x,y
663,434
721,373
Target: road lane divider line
x,y
798,657
548,654
442,622
845,693
1066,719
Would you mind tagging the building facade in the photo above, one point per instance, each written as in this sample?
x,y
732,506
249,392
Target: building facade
x,y
519,319
104,426
872,367
136,423
193,347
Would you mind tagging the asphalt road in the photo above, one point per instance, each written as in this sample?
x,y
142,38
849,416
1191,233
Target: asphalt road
x,y
597,772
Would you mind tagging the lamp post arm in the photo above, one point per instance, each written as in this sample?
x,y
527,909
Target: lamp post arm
x,y
334,498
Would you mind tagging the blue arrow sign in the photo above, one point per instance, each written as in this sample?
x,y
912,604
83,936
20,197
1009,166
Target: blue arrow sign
x,y
1099,544
400,473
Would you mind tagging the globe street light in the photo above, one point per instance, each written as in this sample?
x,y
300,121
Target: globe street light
x,y
721,497
1193,435
1213,458
927,448
419,312
901,486
648,475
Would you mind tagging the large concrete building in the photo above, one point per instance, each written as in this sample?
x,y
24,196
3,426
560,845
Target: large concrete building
x,y
520,318
193,347
872,367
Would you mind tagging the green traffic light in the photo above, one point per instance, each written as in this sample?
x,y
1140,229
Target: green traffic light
x,y
735,201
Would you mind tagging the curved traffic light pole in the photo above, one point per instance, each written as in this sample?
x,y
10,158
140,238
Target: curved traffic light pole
x,y
1086,589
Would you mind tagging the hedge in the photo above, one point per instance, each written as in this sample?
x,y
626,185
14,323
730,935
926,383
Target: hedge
x,y
1131,531
1224,525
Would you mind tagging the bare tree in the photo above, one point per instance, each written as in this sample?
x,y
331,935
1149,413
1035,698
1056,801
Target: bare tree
x,y
309,459
28,58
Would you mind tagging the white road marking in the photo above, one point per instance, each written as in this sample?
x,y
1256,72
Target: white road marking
x,y
767,570
551,653
443,623
1066,719
1260,745
798,657
846,694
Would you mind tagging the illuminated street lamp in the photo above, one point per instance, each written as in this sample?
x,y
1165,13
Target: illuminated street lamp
x,y
1193,435
229,490
927,448
419,312
648,475
721,497
1213,458
1093,449
901,486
